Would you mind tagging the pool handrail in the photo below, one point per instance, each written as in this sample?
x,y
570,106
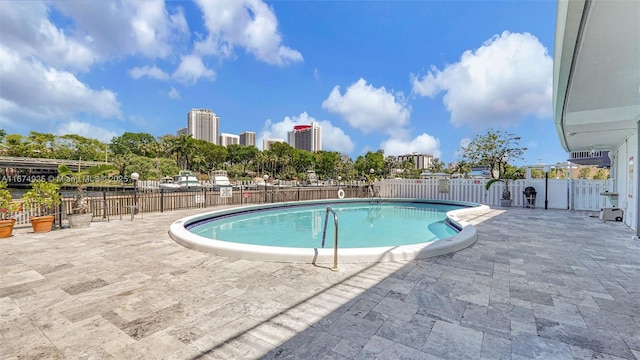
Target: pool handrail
x,y
335,236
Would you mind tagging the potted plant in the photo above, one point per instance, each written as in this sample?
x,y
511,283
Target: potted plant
x,y
81,215
42,199
7,206
507,176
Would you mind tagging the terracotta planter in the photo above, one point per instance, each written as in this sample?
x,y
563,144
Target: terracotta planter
x,y
80,220
42,223
6,228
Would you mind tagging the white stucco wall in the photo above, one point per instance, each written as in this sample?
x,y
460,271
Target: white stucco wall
x,y
625,165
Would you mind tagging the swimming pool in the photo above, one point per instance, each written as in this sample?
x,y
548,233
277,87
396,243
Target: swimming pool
x,y
384,230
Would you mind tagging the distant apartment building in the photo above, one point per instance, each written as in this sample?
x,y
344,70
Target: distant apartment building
x,y
306,137
203,124
181,131
228,139
248,138
421,161
266,143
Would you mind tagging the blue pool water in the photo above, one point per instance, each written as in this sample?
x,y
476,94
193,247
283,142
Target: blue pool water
x,y
361,225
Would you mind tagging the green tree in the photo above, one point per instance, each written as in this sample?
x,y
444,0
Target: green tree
x,y
302,161
247,154
76,147
437,165
16,145
601,174
142,165
280,155
407,165
141,144
183,147
326,164
214,155
41,144
584,172
371,160
391,164
494,149
462,167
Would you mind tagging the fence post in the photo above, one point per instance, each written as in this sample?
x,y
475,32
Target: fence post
x,y
104,204
60,212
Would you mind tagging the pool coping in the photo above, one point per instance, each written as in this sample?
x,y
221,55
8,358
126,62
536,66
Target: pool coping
x,y
466,237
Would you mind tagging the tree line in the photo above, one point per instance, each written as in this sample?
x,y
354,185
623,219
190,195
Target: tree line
x,y
156,157
165,155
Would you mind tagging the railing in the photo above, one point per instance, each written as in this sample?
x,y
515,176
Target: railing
x,y
335,235
562,194
123,204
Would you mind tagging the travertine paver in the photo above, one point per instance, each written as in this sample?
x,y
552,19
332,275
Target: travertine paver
x,y
537,284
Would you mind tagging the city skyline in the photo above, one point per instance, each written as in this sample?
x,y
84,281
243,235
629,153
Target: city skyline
x,y
404,77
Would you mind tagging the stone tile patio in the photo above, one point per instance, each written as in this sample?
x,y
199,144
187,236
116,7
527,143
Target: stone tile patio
x,y
536,285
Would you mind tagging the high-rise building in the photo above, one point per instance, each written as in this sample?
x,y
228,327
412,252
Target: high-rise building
x,y
306,137
266,143
181,131
248,138
228,139
421,161
203,124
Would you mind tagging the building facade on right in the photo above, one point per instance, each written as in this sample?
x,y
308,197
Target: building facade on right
x,y
595,93
203,124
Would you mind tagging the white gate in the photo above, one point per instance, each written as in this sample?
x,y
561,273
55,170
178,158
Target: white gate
x,y
562,193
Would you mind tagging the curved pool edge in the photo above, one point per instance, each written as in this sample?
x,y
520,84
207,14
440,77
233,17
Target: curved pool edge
x,y
466,237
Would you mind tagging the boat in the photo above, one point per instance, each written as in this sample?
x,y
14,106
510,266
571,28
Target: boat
x,y
167,184
184,181
220,178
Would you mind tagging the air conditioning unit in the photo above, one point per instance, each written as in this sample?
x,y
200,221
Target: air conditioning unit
x,y
611,214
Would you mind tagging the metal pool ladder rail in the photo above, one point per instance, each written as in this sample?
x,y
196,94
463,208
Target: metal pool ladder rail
x,y
335,237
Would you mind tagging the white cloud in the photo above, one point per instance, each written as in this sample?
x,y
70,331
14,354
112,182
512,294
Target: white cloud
x,y
191,69
422,144
35,94
128,27
369,109
86,130
249,24
150,71
506,79
333,138
28,32
173,93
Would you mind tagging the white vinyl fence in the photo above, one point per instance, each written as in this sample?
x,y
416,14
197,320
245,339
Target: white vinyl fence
x,y
562,193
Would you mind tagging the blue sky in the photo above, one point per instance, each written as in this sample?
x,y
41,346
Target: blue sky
x,y
403,76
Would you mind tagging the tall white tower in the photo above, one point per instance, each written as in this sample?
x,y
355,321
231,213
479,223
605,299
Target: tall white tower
x,y
203,124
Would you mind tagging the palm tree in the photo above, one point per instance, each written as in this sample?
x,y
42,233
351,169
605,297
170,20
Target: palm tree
x,y
183,147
